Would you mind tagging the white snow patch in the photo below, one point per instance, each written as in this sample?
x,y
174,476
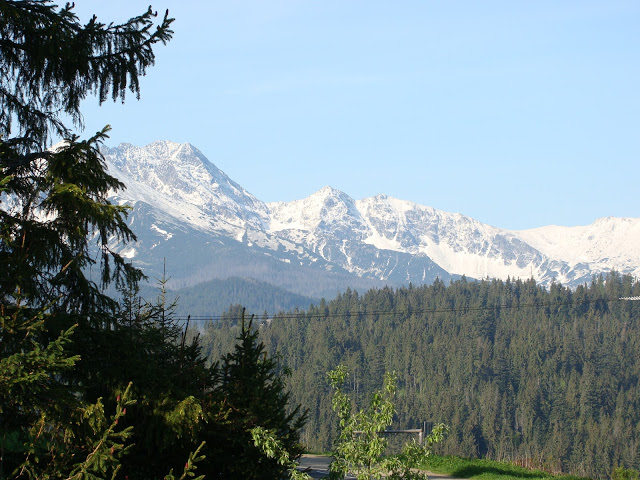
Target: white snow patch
x,y
383,243
278,226
128,253
162,232
608,241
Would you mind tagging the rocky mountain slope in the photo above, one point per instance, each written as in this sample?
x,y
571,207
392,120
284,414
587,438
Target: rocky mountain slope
x,y
207,226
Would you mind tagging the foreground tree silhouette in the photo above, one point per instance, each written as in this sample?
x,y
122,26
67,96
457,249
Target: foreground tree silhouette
x,y
53,205
251,395
62,340
56,201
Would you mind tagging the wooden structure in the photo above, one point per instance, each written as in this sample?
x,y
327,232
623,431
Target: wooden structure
x,y
426,429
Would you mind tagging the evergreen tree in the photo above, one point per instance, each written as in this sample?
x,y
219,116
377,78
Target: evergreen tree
x,y
56,200
170,382
53,205
250,389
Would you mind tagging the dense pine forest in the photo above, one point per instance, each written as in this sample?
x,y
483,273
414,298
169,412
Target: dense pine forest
x,y
215,296
545,377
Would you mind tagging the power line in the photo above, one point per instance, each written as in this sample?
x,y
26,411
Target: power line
x,y
350,314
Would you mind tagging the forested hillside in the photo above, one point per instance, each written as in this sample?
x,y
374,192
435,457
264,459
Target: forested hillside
x,y
216,296
519,372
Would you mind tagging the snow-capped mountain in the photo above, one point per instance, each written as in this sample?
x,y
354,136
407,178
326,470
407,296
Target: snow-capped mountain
x,y
189,211
178,179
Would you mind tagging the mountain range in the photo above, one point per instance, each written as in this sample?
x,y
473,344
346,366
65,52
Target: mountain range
x,y
206,226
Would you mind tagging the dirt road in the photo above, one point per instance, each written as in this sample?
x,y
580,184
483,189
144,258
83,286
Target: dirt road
x,y
318,467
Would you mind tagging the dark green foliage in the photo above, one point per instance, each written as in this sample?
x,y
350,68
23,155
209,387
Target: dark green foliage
x,y
53,205
55,201
46,430
170,382
68,351
50,62
28,386
250,388
547,377
621,473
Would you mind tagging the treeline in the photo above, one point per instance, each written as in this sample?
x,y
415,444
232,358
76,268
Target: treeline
x,y
545,377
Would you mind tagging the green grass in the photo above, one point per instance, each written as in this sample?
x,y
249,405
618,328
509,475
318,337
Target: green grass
x,y
481,469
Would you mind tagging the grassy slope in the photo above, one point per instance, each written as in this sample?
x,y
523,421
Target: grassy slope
x,y
487,470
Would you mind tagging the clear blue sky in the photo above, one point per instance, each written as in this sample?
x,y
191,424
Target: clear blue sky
x,y
519,114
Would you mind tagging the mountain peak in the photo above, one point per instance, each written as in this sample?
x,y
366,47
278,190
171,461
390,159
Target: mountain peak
x,y
323,209
170,145
189,182
328,191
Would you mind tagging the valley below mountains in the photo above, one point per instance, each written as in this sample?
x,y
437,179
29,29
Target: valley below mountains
x,y
208,227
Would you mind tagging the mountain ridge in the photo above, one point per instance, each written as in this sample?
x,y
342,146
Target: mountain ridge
x,y
379,238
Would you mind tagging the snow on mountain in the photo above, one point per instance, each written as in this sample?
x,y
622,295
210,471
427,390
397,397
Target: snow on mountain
x,y
457,244
324,222
608,243
329,223
178,179
463,246
327,210
380,237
